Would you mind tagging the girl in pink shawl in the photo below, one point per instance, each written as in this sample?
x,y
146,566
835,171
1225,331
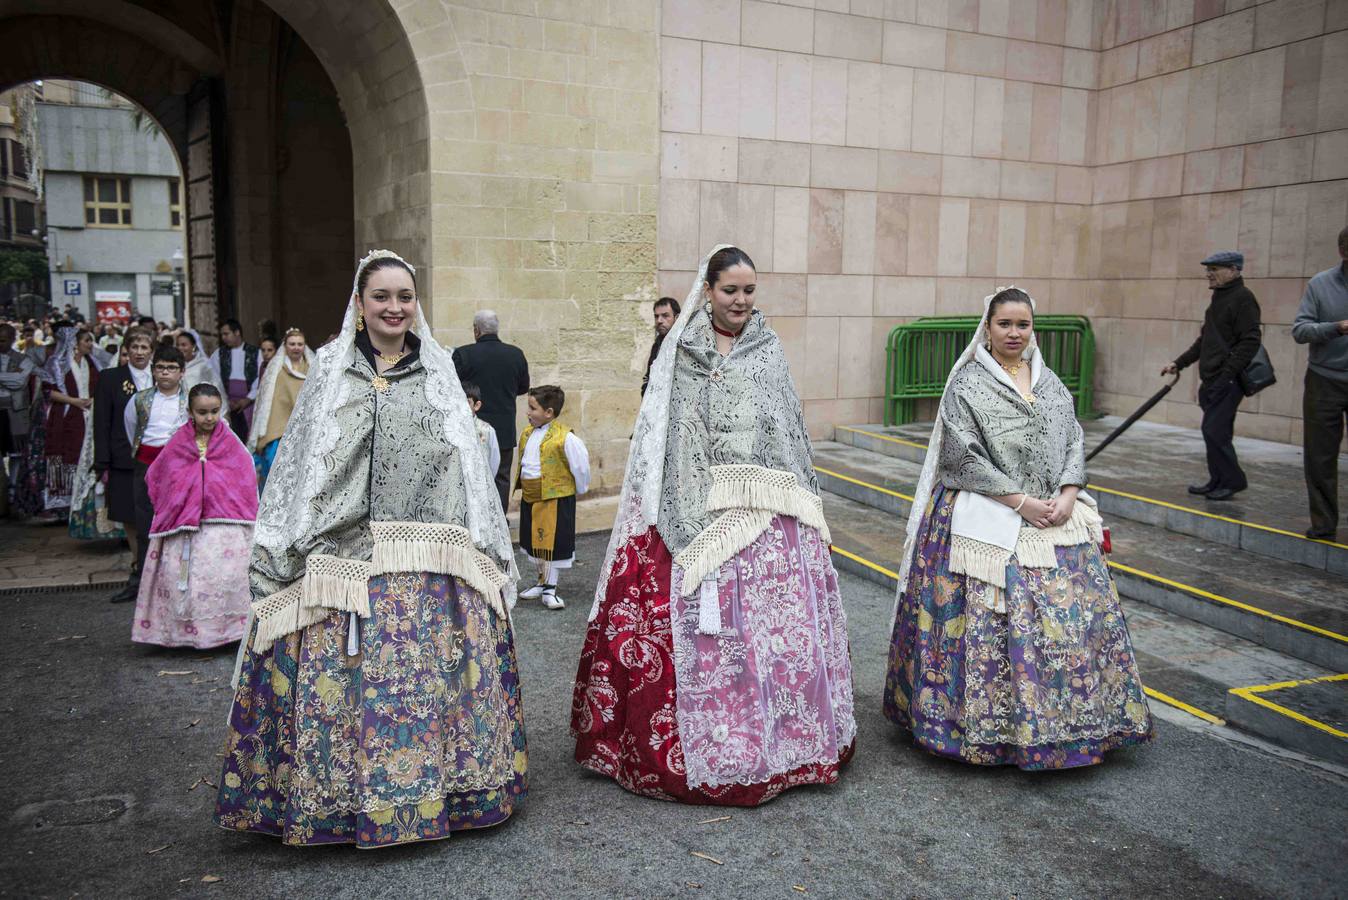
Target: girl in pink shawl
x,y
194,590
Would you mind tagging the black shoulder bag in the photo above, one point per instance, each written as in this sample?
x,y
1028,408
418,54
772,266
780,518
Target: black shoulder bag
x,y
1258,374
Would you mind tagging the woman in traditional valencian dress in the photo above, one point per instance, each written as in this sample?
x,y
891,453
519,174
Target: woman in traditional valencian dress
x,y
197,368
715,668
281,383
378,699
70,377
194,590
1009,646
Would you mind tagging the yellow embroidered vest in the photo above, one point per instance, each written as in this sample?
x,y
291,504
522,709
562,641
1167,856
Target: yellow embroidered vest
x,y
557,478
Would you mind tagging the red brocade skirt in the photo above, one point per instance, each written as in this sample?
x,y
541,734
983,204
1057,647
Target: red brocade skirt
x,y
623,712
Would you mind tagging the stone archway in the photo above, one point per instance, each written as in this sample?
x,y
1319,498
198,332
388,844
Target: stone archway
x,y
311,118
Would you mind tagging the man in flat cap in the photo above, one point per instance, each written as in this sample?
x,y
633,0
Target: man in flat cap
x,y
1228,340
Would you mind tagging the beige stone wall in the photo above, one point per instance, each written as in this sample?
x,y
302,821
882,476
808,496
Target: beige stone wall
x,y
886,159
544,148
1219,125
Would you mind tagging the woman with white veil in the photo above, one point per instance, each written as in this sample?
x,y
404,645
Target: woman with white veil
x,y
197,369
280,387
1009,646
715,667
377,700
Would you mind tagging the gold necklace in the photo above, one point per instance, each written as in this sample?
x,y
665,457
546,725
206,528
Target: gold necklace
x,y
392,358
1013,371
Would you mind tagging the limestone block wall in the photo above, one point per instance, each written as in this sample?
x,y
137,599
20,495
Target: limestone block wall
x,y
887,159
544,141
1219,125
879,161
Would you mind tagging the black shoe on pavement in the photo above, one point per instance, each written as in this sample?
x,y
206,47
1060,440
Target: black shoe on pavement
x,y
1321,535
1220,494
126,594
1201,489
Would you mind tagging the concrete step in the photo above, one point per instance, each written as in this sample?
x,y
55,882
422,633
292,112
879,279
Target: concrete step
x,y
1185,664
1286,607
1143,476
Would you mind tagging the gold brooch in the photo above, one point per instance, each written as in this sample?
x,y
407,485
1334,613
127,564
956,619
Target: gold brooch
x,y
128,388
380,383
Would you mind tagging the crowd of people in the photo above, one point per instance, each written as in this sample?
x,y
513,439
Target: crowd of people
x,y
377,692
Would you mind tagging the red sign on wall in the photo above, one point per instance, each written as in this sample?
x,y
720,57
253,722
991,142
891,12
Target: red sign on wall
x,y
113,307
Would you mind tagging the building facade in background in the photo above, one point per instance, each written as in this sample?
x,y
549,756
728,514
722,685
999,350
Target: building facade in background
x,y
566,162
112,189
21,215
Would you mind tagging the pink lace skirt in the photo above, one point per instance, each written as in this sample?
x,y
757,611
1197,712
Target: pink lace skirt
x,y
194,590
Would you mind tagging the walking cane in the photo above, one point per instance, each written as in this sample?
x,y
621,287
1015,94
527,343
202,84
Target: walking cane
x,y
1139,413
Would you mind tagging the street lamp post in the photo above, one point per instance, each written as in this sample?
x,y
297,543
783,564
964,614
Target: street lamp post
x,y
179,306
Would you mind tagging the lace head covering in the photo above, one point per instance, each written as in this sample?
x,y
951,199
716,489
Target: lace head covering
x,y
927,481
286,515
639,503
62,356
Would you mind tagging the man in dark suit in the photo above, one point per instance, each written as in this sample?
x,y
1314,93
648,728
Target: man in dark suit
x,y
112,451
502,374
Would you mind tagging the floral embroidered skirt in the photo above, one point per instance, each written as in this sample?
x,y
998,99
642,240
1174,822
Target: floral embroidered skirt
x,y
1049,684
86,523
194,590
733,718
418,736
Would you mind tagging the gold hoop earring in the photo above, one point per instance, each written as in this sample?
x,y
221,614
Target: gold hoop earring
x,y
360,321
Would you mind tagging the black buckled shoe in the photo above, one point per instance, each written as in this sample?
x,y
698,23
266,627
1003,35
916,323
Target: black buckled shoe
x,y
1201,489
1220,494
126,594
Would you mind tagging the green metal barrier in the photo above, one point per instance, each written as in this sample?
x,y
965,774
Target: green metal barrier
x,y
920,354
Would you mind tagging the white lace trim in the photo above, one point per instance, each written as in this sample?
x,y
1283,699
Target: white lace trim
x,y
443,549
757,487
1035,549
280,614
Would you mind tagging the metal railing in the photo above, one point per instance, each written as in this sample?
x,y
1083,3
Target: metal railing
x,y
920,354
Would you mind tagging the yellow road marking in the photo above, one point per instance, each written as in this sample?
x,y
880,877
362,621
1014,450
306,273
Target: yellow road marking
x,y
883,437
1181,705
1208,515
1150,692
1218,598
1252,694
865,562
1138,497
865,484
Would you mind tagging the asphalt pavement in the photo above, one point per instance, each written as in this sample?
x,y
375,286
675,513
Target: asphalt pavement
x,y
106,780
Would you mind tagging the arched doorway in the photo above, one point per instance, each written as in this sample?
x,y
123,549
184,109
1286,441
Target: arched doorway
x,y
301,127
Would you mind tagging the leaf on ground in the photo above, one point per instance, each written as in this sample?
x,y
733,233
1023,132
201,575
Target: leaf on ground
x,y
68,637
192,724
157,850
163,672
200,781
715,820
580,822
710,859
211,879
693,884
800,888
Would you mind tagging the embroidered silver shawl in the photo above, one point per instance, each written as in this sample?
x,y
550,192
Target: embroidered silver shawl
x,y
318,495
995,443
732,410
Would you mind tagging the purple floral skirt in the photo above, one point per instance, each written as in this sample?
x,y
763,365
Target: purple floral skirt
x,y
1049,684
418,736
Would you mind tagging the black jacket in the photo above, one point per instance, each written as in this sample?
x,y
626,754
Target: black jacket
x,y
655,351
501,372
1230,336
111,448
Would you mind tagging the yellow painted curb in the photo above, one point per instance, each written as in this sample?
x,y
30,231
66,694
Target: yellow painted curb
x,y
865,484
1252,693
1218,598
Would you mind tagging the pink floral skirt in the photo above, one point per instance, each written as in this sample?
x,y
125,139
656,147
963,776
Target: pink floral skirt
x,y
732,718
194,590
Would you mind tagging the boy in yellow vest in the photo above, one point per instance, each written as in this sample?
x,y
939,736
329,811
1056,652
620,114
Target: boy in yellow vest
x,y
554,468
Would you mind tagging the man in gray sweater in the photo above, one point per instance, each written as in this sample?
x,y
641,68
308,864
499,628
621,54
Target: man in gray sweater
x,y
1322,322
